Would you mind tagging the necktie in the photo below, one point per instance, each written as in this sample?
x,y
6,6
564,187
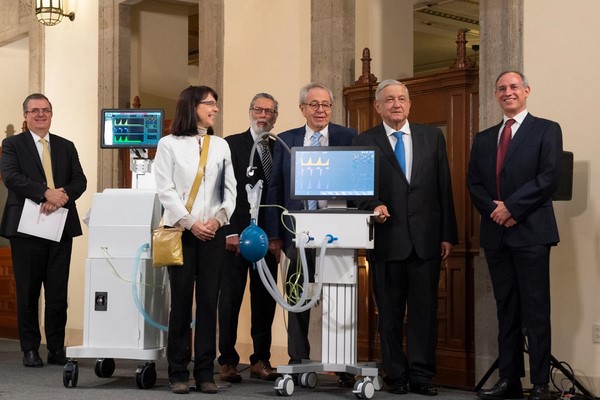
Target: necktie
x,y
502,150
399,151
314,142
267,161
47,163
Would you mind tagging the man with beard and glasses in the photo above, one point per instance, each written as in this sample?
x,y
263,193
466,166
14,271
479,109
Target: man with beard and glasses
x,y
263,114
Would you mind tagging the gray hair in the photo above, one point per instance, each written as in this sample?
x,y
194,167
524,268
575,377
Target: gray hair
x,y
386,83
522,75
313,85
34,96
264,96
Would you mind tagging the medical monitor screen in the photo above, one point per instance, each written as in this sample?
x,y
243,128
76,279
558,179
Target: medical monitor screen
x,y
334,173
131,129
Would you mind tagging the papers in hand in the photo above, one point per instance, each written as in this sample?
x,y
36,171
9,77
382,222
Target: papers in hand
x,y
34,222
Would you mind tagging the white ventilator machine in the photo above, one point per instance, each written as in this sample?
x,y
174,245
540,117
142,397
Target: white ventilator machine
x,y
336,235
126,299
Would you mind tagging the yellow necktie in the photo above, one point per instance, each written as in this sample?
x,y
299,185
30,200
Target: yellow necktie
x,y
47,163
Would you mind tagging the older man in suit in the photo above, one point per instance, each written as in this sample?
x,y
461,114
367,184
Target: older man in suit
x,y
316,101
514,170
416,230
263,115
40,166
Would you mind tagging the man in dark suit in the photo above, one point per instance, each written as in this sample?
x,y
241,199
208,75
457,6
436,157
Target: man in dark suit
x,y
263,115
415,230
512,190
315,104
38,261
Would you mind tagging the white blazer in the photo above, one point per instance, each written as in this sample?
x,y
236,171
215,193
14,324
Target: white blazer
x,y
175,168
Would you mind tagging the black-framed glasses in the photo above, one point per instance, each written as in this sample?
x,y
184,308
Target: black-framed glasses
x,y
210,103
36,111
259,110
315,106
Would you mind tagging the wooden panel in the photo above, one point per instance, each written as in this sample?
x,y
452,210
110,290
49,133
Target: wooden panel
x,y
8,297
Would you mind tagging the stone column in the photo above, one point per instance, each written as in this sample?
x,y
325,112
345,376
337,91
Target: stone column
x,y
332,49
332,63
211,32
501,48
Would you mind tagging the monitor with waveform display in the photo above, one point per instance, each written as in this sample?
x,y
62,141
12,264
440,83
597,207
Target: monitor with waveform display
x,y
131,128
334,173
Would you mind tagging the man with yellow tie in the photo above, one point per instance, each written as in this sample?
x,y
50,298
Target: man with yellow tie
x,y
44,168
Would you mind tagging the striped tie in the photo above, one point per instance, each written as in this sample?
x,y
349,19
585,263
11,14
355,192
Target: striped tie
x,y
267,161
47,163
315,140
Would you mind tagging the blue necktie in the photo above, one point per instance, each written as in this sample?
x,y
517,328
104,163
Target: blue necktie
x,y
315,140
399,151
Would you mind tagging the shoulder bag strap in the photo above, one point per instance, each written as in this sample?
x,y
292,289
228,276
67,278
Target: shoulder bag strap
x,y
200,174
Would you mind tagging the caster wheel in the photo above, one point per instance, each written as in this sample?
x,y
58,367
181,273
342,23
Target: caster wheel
x,y
104,367
308,380
70,374
284,386
364,389
145,376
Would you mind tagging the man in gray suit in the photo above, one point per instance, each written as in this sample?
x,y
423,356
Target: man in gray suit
x,y
415,230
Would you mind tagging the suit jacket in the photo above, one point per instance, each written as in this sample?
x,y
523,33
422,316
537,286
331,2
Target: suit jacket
x,y
422,212
24,177
279,189
241,145
529,176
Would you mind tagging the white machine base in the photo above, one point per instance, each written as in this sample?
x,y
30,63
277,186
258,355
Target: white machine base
x,y
339,299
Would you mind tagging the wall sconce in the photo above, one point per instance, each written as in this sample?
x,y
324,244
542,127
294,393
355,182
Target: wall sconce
x,y
50,12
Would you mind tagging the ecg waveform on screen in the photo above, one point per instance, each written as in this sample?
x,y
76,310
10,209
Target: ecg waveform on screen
x,y
311,163
335,174
131,130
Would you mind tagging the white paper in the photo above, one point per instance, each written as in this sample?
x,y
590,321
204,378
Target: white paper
x,y
34,222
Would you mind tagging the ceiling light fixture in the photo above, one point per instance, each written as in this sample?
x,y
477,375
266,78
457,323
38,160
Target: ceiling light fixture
x,y
50,12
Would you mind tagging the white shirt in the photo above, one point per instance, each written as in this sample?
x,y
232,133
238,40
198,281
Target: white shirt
x,y
513,129
175,169
39,145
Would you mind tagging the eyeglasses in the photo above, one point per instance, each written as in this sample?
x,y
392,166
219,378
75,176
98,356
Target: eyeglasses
x,y
210,103
315,106
36,111
259,110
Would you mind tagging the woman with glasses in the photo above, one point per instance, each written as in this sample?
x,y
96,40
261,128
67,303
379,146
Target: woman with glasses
x,y
176,166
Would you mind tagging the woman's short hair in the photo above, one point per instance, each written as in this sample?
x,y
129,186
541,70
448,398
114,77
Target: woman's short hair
x,y
185,121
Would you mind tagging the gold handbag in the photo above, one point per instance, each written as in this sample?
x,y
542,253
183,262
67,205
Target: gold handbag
x,y
167,249
166,246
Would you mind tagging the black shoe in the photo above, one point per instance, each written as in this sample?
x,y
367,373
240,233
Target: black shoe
x,y
540,392
398,386
345,380
31,358
505,388
423,388
57,357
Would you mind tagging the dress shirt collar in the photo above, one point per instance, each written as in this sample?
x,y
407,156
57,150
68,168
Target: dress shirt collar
x,y
309,132
36,138
405,129
518,118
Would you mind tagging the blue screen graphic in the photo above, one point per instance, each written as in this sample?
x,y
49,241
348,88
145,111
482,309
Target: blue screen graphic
x,y
333,172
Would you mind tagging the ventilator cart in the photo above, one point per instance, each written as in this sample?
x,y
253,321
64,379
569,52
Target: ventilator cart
x,y
346,230
126,298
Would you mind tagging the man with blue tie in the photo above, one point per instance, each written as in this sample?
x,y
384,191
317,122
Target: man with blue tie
x,y
316,101
415,231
